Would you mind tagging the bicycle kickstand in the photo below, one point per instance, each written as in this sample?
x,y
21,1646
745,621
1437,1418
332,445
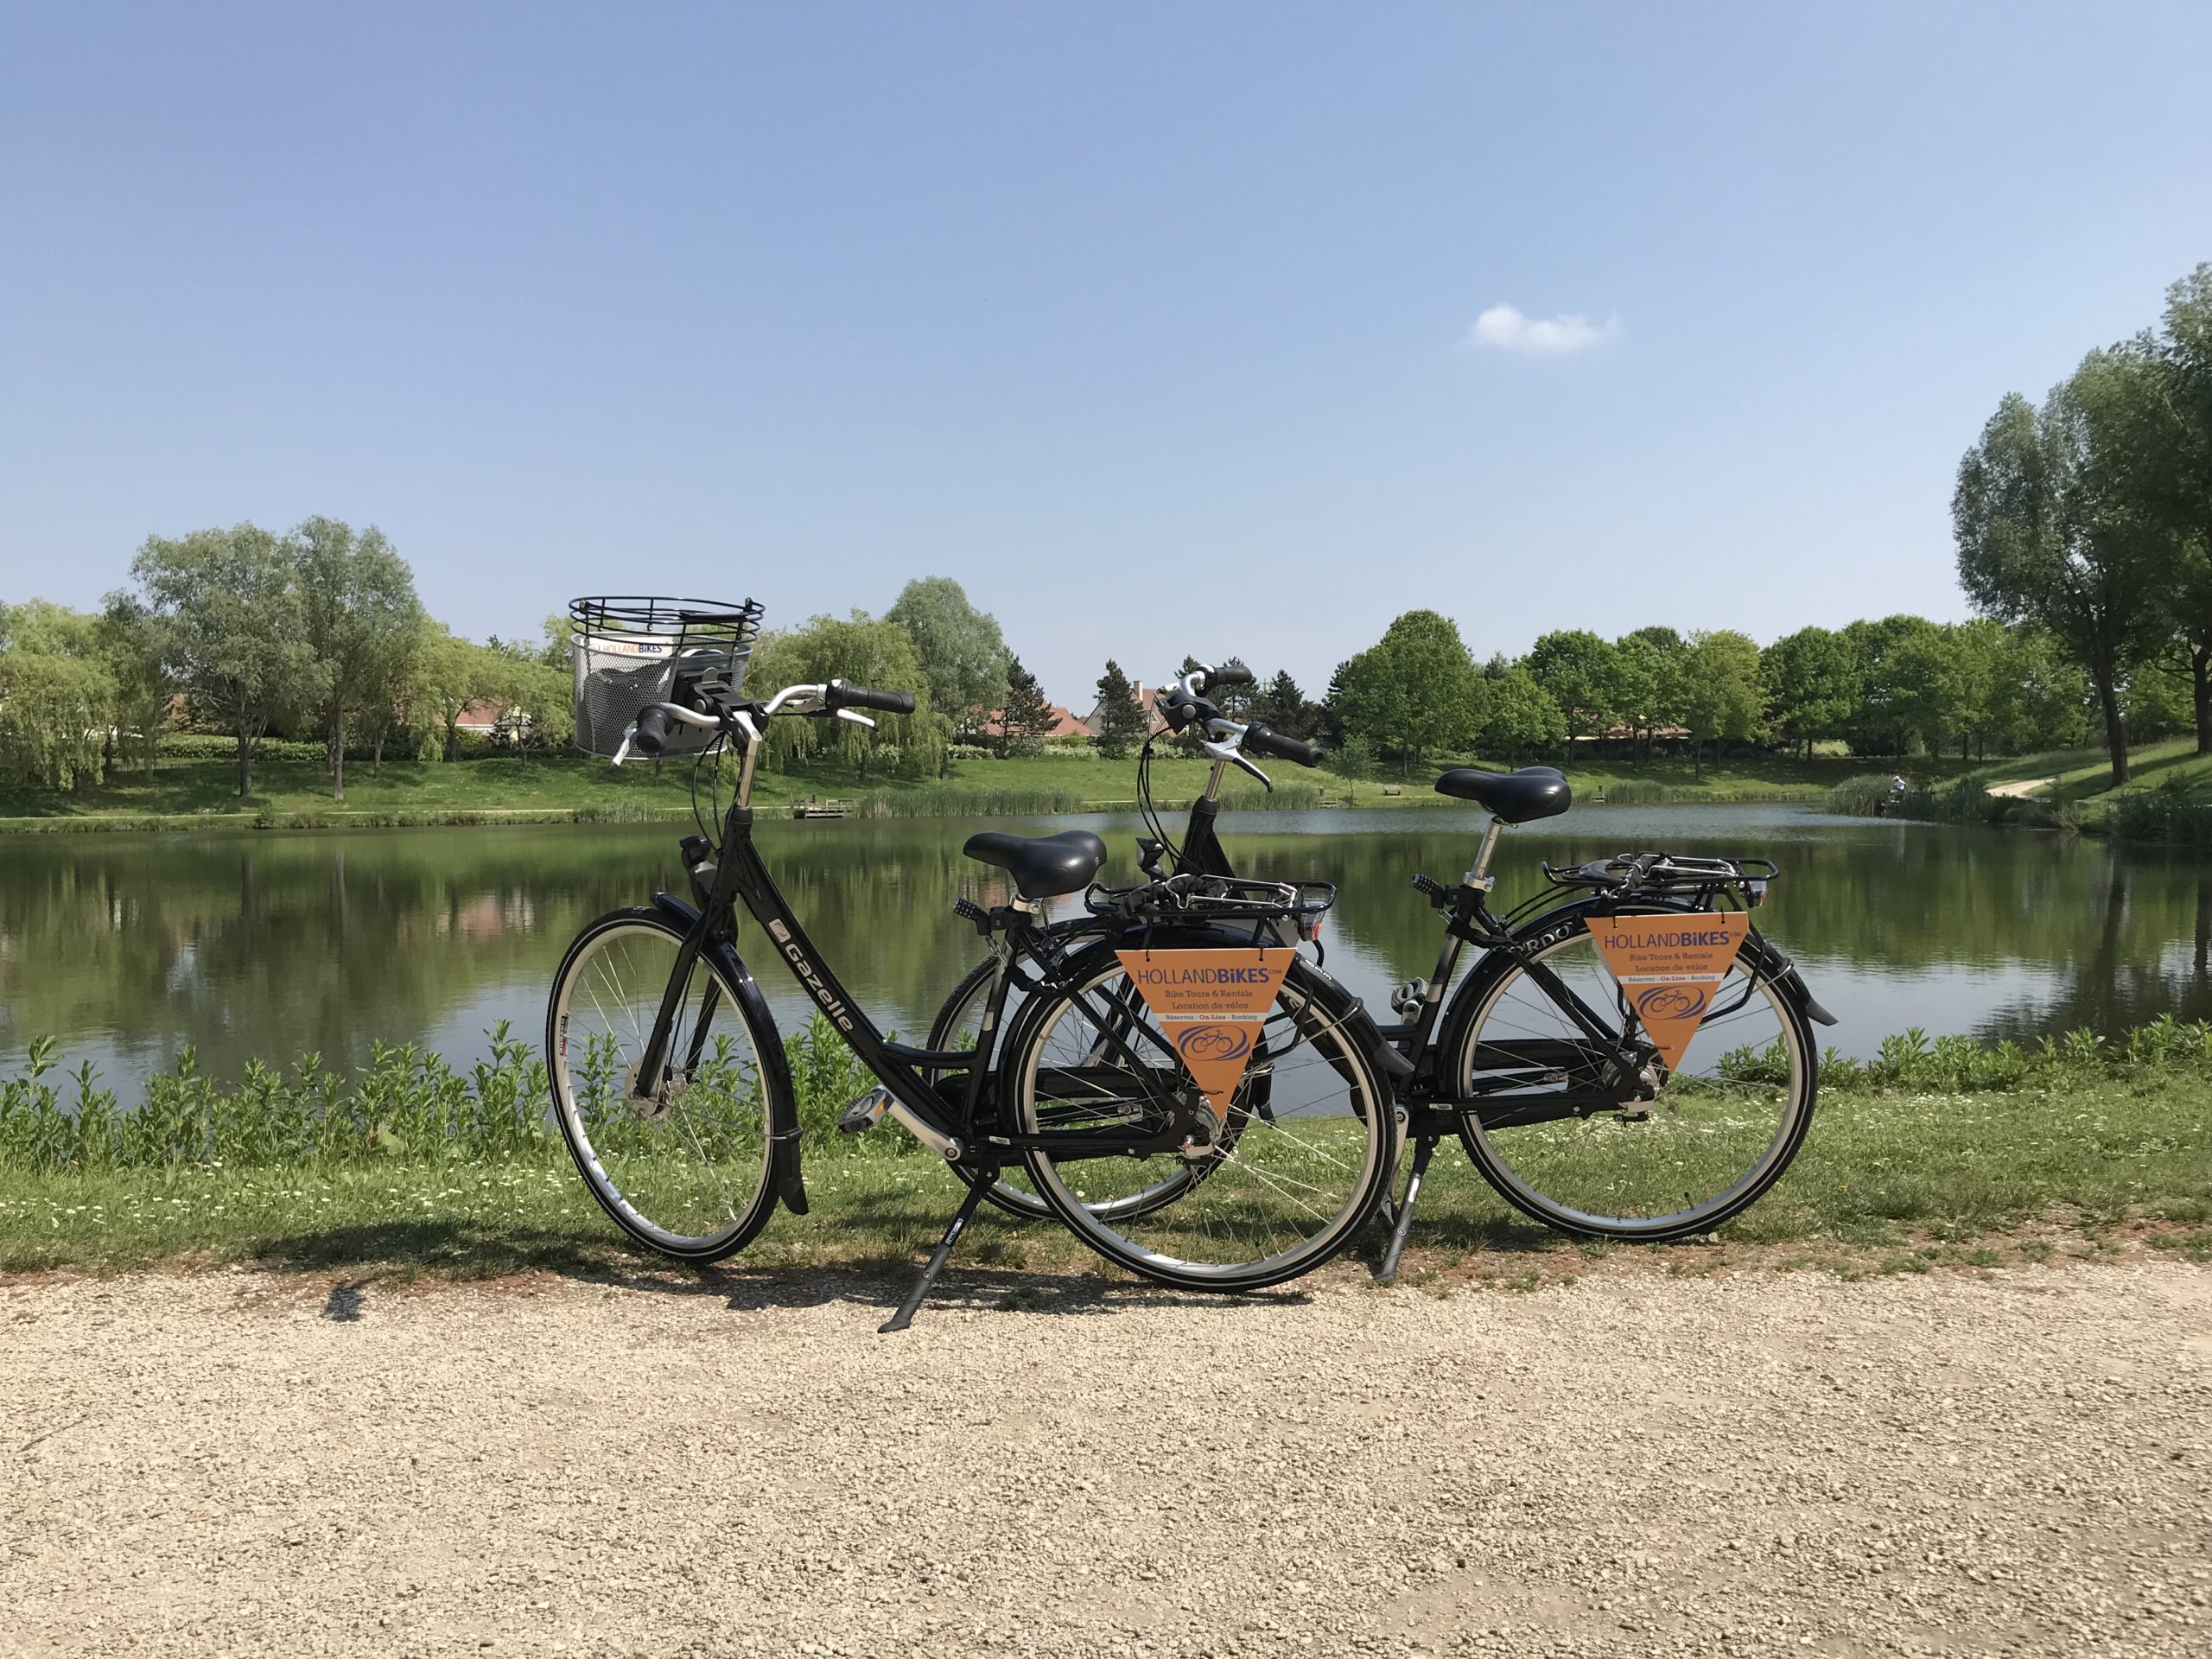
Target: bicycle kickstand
x,y
961,1217
1424,1149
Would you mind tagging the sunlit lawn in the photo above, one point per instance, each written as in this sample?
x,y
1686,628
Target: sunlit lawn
x,y
1880,1169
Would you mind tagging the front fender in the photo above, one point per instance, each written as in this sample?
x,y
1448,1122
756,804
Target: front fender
x,y
775,1065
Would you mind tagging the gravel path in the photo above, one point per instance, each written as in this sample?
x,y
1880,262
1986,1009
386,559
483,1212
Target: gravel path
x,y
239,1463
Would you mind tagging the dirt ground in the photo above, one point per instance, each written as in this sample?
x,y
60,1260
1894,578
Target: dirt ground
x,y
239,1463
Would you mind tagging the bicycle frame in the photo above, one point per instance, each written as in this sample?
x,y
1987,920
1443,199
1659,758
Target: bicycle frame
x,y
955,1130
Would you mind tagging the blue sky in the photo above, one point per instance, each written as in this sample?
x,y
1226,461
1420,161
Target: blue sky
x,y
1156,326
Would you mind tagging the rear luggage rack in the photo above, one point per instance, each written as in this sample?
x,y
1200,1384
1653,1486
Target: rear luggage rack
x,y
1668,872
1218,898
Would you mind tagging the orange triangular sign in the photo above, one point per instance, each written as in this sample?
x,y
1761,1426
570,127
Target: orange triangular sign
x,y
1212,1005
1670,969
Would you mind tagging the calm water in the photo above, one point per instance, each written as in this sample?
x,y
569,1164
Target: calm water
x,y
243,944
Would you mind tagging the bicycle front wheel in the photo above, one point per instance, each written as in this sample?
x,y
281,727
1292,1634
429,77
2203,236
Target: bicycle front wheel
x,y
1604,1138
1306,1145
682,1166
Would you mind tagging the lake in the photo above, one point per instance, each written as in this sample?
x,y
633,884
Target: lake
x,y
244,945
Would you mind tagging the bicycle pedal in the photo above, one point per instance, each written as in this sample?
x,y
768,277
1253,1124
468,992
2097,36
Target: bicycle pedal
x,y
865,1113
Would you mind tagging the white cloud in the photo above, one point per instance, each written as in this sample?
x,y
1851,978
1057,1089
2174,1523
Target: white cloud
x,y
1502,328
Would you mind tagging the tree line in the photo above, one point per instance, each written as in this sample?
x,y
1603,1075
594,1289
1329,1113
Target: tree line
x,y
1891,688
319,632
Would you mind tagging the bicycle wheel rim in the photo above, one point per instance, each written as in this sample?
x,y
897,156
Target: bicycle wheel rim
x,y
1308,1125
686,1172
1717,1132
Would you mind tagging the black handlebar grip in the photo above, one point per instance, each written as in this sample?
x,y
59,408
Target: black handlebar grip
x,y
1231,672
652,730
1281,745
842,696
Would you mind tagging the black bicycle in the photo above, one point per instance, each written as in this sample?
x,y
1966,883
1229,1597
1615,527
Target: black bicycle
x,y
1268,1122
1542,1063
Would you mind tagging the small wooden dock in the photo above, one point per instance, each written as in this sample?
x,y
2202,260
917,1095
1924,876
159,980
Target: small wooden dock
x,y
821,809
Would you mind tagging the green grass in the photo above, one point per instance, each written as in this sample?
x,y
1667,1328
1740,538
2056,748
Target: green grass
x,y
1944,1154
196,787
2167,800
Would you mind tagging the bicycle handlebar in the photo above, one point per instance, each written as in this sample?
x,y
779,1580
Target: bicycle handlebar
x,y
1231,672
838,694
651,734
1267,741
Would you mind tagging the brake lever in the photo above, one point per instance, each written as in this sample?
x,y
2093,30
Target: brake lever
x,y
856,717
1231,751
622,749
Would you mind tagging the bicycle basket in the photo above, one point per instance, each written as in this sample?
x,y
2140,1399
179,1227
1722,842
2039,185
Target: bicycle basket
x,y
628,651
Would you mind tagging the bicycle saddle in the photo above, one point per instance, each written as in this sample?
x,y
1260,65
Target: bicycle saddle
x,y
1043,866
1516,797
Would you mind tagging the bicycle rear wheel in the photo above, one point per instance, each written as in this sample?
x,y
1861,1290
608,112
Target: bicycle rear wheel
x,y
958,1024
684,1170
1589,1143
1305,1149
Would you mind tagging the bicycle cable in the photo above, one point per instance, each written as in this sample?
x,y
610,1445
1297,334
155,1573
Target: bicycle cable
x,y
1146,810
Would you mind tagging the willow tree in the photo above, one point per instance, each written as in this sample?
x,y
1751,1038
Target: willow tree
x,y
2051,528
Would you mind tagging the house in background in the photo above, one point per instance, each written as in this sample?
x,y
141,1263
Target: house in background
x,y
1063,725
1147,699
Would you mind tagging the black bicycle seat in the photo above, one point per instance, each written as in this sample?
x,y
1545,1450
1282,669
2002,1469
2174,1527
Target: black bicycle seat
x,y
1516,797
1043,866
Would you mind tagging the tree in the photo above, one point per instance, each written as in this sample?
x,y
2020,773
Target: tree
x,y
1027,719
962,653
1578,669
867,651
1648,677
1812,683
2181,486
544,697
1283,705
2049,520
1722,696
1415,691
2040,699
1928,688
56,710
1121,720
130,645
1518,716
228,607
452,675
363,621
1877,725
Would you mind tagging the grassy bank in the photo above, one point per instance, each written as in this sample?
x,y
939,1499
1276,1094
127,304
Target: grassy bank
x,y
2168,801
411,1163
196,789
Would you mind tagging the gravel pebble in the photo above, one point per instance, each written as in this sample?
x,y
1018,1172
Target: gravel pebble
x,y
1633,1465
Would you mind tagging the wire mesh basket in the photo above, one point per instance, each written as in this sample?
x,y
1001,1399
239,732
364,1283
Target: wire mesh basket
x,y
628,651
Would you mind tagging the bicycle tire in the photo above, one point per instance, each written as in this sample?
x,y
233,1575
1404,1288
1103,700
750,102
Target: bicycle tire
x,y
1551,935
601,1131
1316,1011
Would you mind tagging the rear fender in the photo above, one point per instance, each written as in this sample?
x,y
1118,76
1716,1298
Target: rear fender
x,y
782,1098
1344,1011
1540,930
